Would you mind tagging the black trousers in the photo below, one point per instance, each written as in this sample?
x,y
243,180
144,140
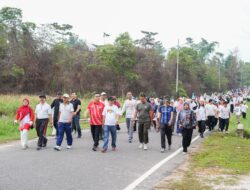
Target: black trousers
x,y
202,126
224,123
232,108
166,131
186,138
96,131
41,129
143,131
210,122
244,115
55,123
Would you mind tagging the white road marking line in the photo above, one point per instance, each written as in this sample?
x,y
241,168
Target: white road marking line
x,y
155,167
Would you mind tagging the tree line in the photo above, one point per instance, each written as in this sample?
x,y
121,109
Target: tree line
x,y
50,57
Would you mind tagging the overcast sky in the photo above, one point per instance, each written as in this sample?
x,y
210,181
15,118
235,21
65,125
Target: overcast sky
x,y
225,21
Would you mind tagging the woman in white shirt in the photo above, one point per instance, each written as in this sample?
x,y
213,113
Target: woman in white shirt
x,y
225,115
201,118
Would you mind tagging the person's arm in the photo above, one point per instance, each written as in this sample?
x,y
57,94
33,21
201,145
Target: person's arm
x,y
53,104
171,118
103,116
151,115
71,114
159,120
123,108
78,109
50,117
17,116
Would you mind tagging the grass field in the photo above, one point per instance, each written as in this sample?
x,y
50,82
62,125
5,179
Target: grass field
x,y
222,158
8,107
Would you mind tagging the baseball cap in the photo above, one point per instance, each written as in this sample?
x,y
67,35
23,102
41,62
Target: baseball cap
x,y
103,93
111,98
65,95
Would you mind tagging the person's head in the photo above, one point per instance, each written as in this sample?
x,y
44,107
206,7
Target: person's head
x,y
114,98
152,100
143,98
73,95
97,97
202,103
26,102
103,96
186,106
42,98
111,100
59,94
166,102
65,98
210,101
172,103
129,95
225,103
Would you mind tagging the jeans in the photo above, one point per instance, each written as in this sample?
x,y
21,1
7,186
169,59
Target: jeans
x,y
143,131
166,130
96,131
130,128
112,130
64,127
186,138
76,124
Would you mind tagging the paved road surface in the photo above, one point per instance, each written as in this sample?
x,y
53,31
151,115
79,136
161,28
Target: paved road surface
x,y
80,168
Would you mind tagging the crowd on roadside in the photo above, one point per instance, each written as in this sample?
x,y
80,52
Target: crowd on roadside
x,y
165,115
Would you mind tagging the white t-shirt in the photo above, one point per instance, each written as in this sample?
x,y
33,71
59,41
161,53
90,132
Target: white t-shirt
x,y
129,108
224,112
210,110
237,110
66,111
110,113
201,114
43,111
244,108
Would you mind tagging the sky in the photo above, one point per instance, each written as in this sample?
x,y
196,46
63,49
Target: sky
x,y
224,21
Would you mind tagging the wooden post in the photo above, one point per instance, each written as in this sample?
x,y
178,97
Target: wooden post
x,y
240,130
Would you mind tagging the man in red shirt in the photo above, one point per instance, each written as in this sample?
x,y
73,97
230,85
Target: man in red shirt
x,y
95,109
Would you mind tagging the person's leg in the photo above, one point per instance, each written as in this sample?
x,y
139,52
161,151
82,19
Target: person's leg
x,y
189,137
130,130
73,124
154,123
227,124
210,123
92,128
146,126
128,124
98,130
25,137
184,139
59,138
55,123
21,138
140,132
68,131
39,133
223,124
200,127
163,140
45,140
113,135
203,128
106,137
78,127
169,135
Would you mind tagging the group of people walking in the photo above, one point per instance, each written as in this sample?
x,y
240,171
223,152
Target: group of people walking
x,y
167,116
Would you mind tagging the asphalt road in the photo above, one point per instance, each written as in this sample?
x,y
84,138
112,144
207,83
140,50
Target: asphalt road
x,y
80,168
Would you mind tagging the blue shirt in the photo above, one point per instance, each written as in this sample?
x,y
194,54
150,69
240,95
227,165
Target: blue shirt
x,y
166,113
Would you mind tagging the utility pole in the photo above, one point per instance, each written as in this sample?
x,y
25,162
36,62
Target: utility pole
x,y
177,68
219,77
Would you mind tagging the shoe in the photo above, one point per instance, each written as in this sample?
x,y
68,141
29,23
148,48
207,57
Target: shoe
x,y
169,147
114,149
44,145
140,146
39,148
184,153
57,148
104,150
130,141
79,136
202,136
162,150
68,147
145,147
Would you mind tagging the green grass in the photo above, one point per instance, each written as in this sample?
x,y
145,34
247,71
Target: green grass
x,y
8,106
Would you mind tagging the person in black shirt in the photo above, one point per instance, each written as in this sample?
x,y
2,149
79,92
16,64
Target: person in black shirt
x,y
56,104
76,115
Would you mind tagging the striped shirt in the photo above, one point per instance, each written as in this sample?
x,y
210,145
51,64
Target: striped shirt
x,y
95,110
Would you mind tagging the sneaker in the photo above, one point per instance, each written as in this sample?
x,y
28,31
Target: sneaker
x,y
184,153
79,136
145,147
169,147
94,148
68,147
114,149
39,148
130,141
141,146
57,148
104,150
162,150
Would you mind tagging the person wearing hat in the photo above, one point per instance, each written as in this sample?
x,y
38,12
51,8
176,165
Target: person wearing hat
x,y
165,124
187,122
64,123
55,105
95,109
103,98
43,116
110,120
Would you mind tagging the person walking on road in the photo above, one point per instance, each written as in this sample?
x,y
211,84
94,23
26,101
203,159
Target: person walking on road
x,y
95,109
225,116
145,120
210,114
43,116
111,115
66,112
26,116
76,115
186,121
166,116
201,118
55,105
244,108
